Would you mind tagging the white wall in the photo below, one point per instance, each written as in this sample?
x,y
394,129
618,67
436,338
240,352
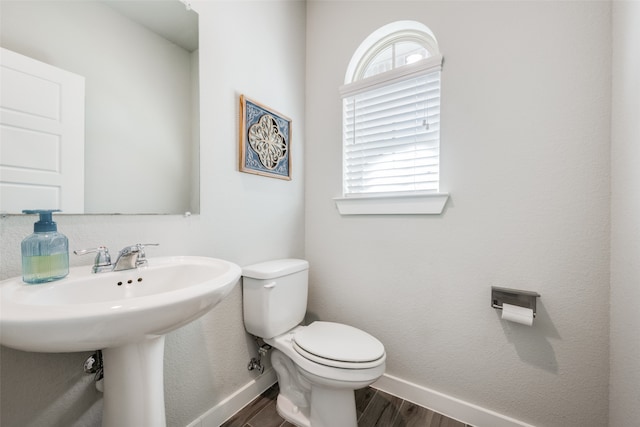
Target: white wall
x,y
624,403
525,156
255,48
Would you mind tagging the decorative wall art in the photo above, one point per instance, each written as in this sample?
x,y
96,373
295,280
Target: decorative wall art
x,y
265,140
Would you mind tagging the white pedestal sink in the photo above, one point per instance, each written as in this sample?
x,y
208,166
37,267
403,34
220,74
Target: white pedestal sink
x,y
126,314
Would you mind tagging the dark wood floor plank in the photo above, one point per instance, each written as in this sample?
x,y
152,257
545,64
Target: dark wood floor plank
x,y
267,417
381,411
363,398
241,418
439,420
412,415
449,422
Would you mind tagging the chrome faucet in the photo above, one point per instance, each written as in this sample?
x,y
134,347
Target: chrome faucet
x,y
129,257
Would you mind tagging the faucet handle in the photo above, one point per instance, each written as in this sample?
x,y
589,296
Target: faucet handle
x,y
138,247
143,245
142,258
102,260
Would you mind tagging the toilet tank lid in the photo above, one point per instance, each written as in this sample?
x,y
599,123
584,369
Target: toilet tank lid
x,y
275,268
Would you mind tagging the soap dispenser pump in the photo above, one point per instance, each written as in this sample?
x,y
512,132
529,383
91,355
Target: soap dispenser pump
x,y
45,253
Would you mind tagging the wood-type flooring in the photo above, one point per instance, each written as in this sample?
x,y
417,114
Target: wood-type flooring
x,y
375,408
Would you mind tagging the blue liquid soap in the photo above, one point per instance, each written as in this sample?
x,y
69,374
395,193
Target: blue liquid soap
x,y
45,253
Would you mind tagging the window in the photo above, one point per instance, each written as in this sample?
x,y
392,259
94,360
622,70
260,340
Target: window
x,y
391,123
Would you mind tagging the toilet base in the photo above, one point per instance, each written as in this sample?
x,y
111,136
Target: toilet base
x,y
313,394
290,412
333,407
329,408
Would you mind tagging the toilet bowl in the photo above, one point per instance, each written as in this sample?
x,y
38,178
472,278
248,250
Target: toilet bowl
x,y
318,366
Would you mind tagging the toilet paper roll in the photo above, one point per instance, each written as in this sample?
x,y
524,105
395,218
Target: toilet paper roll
x,y
514,313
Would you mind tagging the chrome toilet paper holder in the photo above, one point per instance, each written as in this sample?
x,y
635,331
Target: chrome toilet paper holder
x,y
526,299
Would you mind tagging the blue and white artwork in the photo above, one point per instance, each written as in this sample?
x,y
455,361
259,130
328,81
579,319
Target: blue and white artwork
x,y
265,142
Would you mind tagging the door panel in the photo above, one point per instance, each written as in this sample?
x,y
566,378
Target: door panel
x,y
41,136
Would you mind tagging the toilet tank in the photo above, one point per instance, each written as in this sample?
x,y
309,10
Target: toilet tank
x,y
274,296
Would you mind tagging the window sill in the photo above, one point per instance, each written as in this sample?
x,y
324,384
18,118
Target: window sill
x,y
415,204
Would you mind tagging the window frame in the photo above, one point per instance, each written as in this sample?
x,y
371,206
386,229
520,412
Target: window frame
x,y
422,39
405,202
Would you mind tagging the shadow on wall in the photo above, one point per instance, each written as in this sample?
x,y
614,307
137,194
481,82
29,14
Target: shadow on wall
x,y
309,318
532,342
70,396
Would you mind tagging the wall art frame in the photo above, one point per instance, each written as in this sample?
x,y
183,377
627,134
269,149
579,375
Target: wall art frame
x,y
265,140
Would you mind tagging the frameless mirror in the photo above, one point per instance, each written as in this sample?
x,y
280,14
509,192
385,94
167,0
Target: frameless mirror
x,y
139,60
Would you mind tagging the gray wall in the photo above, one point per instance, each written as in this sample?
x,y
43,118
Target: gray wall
x,y
625,213
244,219
526,92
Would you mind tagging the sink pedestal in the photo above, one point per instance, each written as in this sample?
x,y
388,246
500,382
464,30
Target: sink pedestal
x,y
134,384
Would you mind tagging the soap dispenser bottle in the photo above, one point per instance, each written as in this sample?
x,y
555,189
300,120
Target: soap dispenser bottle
x,y
45,253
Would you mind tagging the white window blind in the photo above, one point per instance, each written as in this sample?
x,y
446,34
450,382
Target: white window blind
x,y
392,131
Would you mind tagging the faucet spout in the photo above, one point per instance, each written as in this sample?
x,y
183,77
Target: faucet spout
x,y
129,258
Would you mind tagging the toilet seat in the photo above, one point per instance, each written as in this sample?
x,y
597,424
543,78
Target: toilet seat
x,y
338,345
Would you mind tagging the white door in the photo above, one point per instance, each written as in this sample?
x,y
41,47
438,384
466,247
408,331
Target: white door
x,y
41,136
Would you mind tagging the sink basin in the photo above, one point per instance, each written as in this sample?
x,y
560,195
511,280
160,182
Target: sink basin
x,y
126,314
86,311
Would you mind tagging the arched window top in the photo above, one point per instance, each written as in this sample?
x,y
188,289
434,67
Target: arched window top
x,y
391,124
392,46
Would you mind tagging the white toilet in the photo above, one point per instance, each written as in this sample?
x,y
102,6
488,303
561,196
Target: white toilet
x,y
318,366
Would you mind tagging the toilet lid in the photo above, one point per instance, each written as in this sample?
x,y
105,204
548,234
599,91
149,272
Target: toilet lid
x,y
339,345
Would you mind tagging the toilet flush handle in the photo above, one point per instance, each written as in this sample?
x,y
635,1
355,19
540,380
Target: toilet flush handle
x,y
270,285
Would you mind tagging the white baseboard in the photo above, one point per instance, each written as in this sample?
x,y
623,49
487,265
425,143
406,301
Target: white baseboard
x,y
446,405
238,400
